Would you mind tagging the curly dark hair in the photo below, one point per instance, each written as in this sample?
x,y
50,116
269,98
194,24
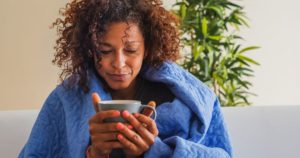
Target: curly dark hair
x,y
83,18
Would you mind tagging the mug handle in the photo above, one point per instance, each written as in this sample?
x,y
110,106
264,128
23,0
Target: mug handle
x,y
150,107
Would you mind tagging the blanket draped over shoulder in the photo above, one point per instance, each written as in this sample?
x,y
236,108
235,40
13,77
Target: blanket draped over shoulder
x,y
192,125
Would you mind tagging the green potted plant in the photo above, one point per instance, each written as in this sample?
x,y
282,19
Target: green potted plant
x,y
212,52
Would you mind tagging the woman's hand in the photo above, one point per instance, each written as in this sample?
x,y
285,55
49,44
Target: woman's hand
x,y
135,142
103,135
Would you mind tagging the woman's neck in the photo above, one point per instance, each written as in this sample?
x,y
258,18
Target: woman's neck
x,y
125,94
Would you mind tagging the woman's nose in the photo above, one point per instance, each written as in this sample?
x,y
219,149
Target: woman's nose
x,y
119,60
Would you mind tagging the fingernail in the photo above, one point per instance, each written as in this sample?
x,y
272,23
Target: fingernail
x,y
136,115
117,113
130,127
120,136
125,113
120,126
96,97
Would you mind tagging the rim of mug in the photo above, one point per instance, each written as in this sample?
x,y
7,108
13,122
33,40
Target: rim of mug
x,y
120,102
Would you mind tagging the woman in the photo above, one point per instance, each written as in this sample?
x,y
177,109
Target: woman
x,y
124,49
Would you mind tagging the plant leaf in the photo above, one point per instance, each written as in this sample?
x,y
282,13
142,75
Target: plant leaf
x,y
247,49
244,58
183,10
204,26
217,10
199,50
217,38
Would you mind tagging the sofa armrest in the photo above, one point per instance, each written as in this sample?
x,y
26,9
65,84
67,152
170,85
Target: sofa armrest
x,y
264,131
15,129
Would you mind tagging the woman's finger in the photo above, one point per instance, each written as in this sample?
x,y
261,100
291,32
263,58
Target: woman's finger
x,y
96,99
103,137
128,145
102,128
147,123
146,136
100,116
148,111
107,146
132,140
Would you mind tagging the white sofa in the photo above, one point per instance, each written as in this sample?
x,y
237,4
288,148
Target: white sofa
x,y
256,131
264,131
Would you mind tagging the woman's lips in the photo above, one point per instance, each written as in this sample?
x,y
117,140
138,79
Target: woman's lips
x,y
118,77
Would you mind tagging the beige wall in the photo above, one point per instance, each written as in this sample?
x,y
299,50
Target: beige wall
x,y
26,48
275,26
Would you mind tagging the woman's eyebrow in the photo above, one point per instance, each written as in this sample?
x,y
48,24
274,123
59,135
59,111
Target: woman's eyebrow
x,y
129,43
105,44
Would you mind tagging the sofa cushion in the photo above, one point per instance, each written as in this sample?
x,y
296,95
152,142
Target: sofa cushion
x,y
255,131
15,128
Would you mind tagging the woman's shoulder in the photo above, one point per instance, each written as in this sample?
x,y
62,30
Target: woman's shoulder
x,y
63,92
174,74
169,71
180,81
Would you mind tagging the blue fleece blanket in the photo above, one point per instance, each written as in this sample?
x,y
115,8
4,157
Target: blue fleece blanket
x,y
192,125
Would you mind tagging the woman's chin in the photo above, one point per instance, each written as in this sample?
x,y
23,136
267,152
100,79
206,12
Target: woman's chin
x,y
118,86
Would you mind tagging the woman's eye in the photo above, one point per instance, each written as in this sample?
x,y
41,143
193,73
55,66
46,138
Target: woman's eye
x,y
105,51
130,51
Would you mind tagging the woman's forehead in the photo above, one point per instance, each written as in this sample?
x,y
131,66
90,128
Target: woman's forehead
x,y
126,32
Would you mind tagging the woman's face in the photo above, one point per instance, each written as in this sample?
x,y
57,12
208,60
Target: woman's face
x,y
122,52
